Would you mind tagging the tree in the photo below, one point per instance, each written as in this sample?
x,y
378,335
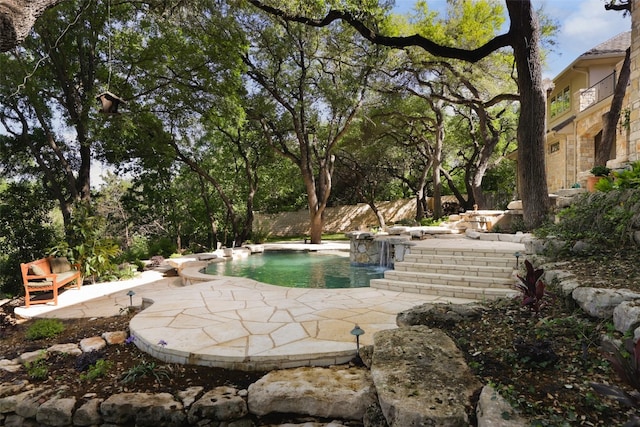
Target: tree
x,y
523,37
17,18
49,112
316,82
26,231
610,118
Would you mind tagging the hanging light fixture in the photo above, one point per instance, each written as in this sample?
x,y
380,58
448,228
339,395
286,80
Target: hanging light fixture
x,y
109,102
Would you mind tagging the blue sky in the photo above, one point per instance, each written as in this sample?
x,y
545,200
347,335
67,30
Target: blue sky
x,y
583,24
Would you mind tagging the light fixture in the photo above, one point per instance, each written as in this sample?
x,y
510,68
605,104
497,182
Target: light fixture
x,y
357,331
517,255
109,102
130,294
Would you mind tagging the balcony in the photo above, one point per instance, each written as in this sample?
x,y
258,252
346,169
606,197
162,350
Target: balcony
x,y
599,91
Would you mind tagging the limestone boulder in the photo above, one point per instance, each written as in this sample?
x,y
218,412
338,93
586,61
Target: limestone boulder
x,y
115,337
438,314
92,344
56,412
88,414
68,348
334,392
600,303
143,409
219,404
626,315
493,410
421,378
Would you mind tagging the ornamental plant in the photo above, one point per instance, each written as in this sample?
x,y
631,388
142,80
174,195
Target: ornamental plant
x,y
44,328
532,288
625,361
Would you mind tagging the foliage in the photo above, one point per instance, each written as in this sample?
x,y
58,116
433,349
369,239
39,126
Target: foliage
x,y
622,180
44,328
598,218
86,359
625,361
161,246
600,171
87,244
26,230
96,370
144,369
532,288
38,369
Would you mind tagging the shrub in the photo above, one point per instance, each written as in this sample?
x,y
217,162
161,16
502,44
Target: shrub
x,y
598,218
533,290
44,328
144,369
86,359
600,171
261,232
626,363
98,369
38,369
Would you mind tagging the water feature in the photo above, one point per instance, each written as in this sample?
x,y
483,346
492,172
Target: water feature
x,y
385,253
299,269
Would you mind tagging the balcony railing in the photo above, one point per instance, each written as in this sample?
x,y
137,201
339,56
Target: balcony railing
x,y
597,92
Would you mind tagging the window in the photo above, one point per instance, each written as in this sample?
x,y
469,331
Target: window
x,y
554,147
560,102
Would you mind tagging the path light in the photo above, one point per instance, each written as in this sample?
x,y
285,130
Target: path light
x,y
357,331
130,294
517,255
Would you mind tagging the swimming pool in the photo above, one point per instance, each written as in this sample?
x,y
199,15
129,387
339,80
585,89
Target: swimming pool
x,y
299,270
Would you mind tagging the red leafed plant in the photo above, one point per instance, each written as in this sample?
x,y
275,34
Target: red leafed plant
x,y
625,360
532,288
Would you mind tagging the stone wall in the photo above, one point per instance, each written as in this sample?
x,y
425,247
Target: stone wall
x,y
339,219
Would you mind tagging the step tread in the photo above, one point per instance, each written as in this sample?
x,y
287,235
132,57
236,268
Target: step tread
x,y
472,260
426,277
458,267
443,290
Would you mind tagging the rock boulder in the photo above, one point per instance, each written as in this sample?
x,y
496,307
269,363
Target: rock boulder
x,y
421,378
334,392
600,303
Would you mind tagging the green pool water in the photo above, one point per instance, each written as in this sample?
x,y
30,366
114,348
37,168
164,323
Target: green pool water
x,y
299,270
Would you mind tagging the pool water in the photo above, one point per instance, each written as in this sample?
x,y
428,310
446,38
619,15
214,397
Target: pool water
x,y
299,270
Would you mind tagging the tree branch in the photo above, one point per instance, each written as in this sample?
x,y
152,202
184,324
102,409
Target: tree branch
x,y
373,36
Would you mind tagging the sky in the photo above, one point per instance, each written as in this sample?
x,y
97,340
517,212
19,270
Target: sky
x,y
583,24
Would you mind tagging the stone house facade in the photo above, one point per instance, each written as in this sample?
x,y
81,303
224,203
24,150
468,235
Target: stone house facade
x,y
577,98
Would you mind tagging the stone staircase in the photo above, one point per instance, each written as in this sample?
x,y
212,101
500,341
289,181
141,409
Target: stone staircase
x,y
473,273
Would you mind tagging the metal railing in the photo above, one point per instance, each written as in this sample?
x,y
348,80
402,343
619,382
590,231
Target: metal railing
x,y
597,92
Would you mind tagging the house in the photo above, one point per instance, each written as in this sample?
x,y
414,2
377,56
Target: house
x,y
576,100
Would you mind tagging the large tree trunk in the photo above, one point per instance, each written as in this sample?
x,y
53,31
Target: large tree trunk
x,y
610,119
381,222
17,18
531,126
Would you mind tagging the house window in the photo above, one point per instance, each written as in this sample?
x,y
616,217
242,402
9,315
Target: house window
x,y
560,102
554,147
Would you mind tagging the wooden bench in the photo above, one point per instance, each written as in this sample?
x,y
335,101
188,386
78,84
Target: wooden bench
x,y
48,274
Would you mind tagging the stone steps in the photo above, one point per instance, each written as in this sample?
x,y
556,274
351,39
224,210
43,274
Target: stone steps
x,y
480,273
505,261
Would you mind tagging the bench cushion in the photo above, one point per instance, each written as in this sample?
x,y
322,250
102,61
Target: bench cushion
x,y
59,265
61,277
40,283
36,270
